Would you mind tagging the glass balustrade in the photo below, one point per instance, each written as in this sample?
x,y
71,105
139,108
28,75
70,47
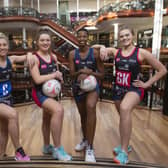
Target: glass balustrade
x,y
127,5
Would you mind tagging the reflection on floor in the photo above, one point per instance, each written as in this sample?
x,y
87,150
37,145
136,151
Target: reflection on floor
x,y
149,135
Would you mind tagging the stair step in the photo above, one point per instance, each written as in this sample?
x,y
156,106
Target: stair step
x,y
78,162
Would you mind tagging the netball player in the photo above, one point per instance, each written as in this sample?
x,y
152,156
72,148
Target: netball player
x,y
129,89
8,116
85,61
46,68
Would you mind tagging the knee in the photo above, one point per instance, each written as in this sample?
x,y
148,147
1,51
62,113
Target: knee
x,y
125,111
60,112
13,115
123,108
91,110
91,106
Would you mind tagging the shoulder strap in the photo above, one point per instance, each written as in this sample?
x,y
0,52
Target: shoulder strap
x,y
91,53
8,62
76,56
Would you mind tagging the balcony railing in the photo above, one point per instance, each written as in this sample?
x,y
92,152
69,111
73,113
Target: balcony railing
x,y
127,5
18,11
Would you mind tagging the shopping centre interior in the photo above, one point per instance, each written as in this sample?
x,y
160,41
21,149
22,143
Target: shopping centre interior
x,y
21,19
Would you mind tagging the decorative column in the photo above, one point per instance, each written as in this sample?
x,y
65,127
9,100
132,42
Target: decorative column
x,y
115,34
6,3
32,4
21,6
58,14
156,43
24,45
98,5
77,10
38,6
157,31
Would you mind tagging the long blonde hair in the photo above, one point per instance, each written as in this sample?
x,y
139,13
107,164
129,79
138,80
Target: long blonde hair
x,y
3,36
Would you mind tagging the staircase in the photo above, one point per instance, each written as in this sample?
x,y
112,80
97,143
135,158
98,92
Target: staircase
x,y
48,162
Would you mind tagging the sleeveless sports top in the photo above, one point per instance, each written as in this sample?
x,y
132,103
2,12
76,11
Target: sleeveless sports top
x,y
5,76
127,68
45,67
88,62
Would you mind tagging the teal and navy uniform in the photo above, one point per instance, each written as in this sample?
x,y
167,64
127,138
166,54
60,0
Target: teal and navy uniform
x,y
88,62
5,83
44,69
127,70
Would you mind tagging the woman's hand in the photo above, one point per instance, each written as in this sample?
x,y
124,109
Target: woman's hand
x,y
31,59
103,54
86,71
141,84
81,77
59,76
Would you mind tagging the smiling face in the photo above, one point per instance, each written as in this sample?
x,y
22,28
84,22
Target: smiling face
x,y
125,37
82,37
44,42
3,47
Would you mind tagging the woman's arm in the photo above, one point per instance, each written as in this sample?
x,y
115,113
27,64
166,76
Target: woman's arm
x,y
56,61
39,79
18,58
29,58
145,55
100,66
105,53
59,74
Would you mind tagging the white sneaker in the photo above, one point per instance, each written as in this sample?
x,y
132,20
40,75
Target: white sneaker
x,y
81,146
60,154
89,155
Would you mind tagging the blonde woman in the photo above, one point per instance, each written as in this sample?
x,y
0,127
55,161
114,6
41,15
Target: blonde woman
x,y
8,115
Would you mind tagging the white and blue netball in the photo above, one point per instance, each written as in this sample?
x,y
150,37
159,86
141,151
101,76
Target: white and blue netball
x,y
88,84
51,88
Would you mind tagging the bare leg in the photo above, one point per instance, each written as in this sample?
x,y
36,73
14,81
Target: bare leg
x,y
46,128
91,102
10,114
4,136
83,115
130,100
56,111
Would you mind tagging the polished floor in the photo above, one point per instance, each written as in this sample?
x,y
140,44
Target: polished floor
x,y
149,135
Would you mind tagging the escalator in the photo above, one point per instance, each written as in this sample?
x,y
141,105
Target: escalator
x,y
48,162
61,32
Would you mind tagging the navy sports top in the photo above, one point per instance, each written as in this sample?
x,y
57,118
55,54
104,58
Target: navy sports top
x,y
88,62
45,68
127,68
5,76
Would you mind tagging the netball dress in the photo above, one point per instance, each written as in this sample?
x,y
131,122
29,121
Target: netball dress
x,y
127,71
88,62
44,69
5,83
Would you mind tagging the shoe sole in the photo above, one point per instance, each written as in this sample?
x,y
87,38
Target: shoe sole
x,y
118,162
77,150
129,151
90,161
21,160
